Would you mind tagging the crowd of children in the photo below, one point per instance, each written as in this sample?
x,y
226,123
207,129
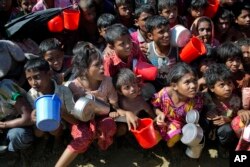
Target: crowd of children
x,y
99,58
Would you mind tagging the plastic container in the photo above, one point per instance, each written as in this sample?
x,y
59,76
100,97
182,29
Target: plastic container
x,y
194,49
192,134
212,8
71,19
145,134
147,71
56,24
192,116
48,112
179,36
246,133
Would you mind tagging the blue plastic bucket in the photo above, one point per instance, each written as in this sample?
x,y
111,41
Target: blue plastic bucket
x,y
48,112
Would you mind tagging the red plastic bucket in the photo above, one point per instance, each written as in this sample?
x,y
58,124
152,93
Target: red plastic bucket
x,y
56,24
146,70
194,49
71,19
145,134
212,8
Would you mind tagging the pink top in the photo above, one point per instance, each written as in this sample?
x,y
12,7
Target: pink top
x,y
41,5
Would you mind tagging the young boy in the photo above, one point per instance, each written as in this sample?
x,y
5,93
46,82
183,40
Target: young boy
x,y
220,106
160,53
52,51
120,50
130,99
244,44
39,76
169,10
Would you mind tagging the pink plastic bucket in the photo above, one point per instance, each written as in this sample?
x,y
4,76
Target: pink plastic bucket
x,y
145,134
212,8
146,70
71,19
56,24
194,49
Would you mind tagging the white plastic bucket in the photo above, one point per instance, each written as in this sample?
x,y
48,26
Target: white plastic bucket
x,y
180,36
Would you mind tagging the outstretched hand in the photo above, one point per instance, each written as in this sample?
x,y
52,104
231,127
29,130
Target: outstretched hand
x,y
132,120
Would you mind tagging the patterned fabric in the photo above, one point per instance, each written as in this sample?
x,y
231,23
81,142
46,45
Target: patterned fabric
x,y
9,92
175,116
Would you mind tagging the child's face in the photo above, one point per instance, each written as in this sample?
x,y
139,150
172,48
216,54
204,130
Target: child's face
x,y
130,90
123,46
96,70
195,13
204,65
170,13
223,89
89,15
140,22
244,18
205,31
233,64
160,36
39,80
26,5
246,53
125,11
186,86
55,59
223,25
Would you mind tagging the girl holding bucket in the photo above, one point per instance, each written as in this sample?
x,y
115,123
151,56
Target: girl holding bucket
x,y
173,102
90,79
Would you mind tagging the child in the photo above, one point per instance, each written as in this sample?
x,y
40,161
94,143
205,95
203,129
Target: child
x,y
25,6
124,14
130,99
120,50
90,80
220,106
230,54
244,44
38,74
15,111
169,10
173,102
203,28
160,52
52,51
105,20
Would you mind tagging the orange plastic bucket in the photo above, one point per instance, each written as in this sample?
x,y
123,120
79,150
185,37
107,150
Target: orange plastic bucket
x,y
194,49
71,19
56,24
212,8
146,70
145,134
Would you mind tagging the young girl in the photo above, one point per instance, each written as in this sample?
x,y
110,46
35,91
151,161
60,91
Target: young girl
x,y
173,102
203,28
90,80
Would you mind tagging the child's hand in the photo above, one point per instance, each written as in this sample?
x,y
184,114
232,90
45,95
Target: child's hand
x,y
132,120
144,47
113,114
245,116
221,120
160,119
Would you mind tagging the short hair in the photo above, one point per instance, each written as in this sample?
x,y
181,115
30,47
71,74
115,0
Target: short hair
x,y
119,3
123,77
105,20
223,13
84,54
114,32
143,8
86,4
37,64
243,42
50,44
155,22
197,4
178,71
239,6
217,72
163,4
228,50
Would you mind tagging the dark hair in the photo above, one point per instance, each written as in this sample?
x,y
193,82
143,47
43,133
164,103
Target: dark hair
x,y
37,64
143,8
228,50
217,72
223,13
119,3
163,4
115,31
105,20
155,22
86,4
123,77
178,71
50,44
84,54
204,19
197,4
239,6
243,42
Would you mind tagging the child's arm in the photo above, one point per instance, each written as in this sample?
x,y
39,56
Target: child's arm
x,y
160,117
68,117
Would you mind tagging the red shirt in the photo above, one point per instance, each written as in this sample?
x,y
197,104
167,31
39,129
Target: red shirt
x,y
112,63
